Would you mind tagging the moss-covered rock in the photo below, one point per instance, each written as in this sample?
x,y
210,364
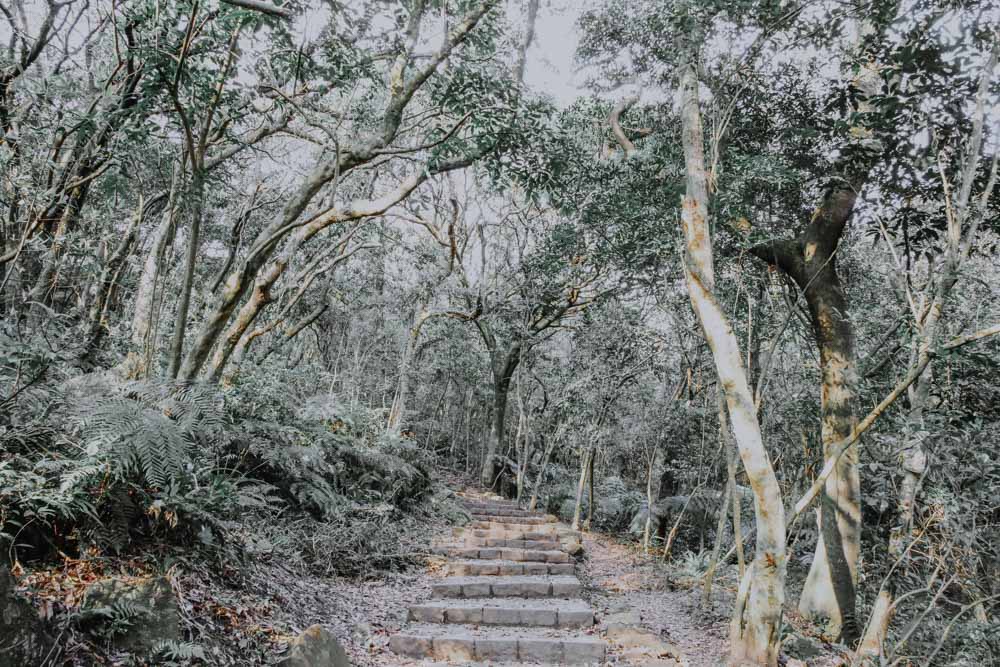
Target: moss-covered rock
x,y
23,639
137,614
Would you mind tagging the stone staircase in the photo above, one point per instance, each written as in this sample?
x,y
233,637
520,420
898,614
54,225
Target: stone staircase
x,y
510,594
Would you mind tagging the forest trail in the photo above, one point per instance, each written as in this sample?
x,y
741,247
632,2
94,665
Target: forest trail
x,y
511,595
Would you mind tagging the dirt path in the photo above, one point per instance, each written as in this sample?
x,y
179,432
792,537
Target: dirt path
x,y
624,580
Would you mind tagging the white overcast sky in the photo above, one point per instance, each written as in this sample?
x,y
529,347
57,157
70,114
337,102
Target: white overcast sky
x,y
550,66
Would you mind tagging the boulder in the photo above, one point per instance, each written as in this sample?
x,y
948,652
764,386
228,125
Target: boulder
x,y
801,647
23,640
574,549
642,645
316,647
147,606
622,619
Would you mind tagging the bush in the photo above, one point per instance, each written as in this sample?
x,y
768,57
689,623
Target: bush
x,y
119,463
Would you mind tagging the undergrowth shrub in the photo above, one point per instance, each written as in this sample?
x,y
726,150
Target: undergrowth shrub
x,y
615,505
96,461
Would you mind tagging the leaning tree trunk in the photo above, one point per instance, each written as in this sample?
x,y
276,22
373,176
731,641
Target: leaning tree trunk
x,y
755,630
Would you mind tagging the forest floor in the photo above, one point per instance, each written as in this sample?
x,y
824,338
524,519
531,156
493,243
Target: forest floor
x,y
622,578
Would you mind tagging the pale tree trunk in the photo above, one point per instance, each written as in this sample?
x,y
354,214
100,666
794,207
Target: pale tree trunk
x,y
398,407
229,356
581,485
756,625
647,529
137,362
105,284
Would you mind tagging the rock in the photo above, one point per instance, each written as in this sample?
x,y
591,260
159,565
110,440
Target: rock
x,y
148,605
574,549
316,647
641,643
361,632
801,648
19,620
622,619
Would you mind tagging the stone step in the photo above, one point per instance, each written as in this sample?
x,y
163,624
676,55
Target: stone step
x,y
494,515
556,586
545,532
526,613
463,644
515,554
523,520
494,510
505,568
504,543
486,500
499,504
550,528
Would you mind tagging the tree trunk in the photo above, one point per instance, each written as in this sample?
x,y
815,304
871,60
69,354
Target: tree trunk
x,y
398,407
581,485
724,507
187,282
756,624
102,291
830,589
647,529
732,456
137,361
590,485
503,371
963,218
541,471
524,434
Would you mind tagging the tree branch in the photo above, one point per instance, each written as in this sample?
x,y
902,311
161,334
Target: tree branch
x,y
616,128
262,7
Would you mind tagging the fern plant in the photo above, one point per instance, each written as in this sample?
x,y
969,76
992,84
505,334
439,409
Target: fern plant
x,y
147,428
171,652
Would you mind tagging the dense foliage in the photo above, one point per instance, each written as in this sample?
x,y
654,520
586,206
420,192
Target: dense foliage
x,y
265,276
